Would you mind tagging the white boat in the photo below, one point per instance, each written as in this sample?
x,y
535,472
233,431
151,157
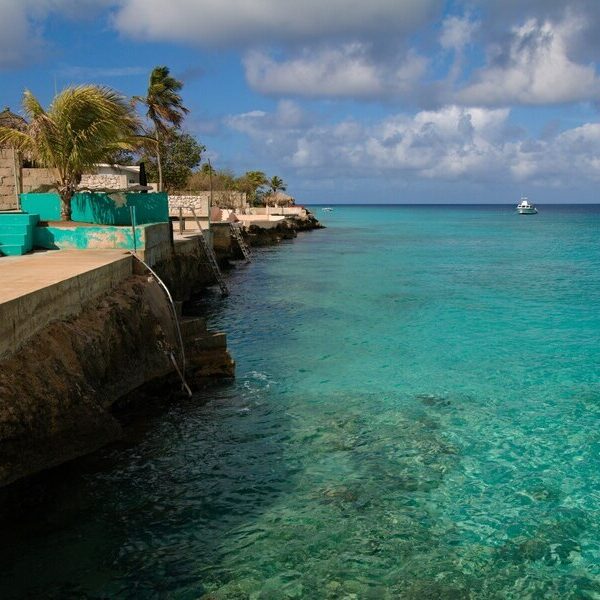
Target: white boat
x,y
327,209
525,208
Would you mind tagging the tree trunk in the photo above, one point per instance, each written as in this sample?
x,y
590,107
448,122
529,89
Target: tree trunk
x,y
65,204
159,164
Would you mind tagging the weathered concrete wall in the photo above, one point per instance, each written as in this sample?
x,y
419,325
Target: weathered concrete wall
x,y
222,239
225,244
8,197
152,241
198,203
35,178
186,271
70,351
26,315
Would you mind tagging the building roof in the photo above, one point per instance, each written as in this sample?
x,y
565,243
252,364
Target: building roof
x,y
119,168
12,120
279,196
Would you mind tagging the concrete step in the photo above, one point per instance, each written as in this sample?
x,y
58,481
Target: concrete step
x,y
15,218
192,326
12,250
15,227
211,341
13,238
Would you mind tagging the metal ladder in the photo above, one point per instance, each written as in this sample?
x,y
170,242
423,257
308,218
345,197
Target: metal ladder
x,y
237,236
210,257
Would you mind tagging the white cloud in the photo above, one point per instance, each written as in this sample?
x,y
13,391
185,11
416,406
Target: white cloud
x,y
241,22
450,144
573,155
534,68
15,33
457,32
346,71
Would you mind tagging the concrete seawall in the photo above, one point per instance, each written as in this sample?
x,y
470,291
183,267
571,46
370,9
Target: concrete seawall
x,y
43,287
88,330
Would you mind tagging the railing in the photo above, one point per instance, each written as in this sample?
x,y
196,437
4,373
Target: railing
x,y
161,283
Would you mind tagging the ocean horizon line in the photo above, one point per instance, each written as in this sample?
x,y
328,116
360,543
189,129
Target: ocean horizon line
x,y
388,204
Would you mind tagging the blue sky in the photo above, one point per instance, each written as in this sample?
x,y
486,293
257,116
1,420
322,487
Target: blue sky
x,y
348,101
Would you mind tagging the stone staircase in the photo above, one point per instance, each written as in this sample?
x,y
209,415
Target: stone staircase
x,y
16,233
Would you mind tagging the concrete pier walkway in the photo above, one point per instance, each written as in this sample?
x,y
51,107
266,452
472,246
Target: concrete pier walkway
x,y
22,275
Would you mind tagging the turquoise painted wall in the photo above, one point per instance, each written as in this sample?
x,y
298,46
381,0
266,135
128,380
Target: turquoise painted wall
x,y
100,208
81,238
47,206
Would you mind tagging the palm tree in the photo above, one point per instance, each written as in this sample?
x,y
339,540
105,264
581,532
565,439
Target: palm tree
x,y
276,184
81,128
165,108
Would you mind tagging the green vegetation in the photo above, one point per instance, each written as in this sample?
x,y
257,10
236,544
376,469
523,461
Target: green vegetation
x,y
83,126
252,183
180,154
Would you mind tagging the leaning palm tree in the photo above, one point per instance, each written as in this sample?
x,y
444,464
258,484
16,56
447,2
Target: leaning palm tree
x,y
81,128
165,108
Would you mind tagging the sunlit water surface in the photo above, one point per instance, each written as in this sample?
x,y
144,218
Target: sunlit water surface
x,y
416,415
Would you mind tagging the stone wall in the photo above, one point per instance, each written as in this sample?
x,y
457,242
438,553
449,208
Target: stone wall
x,y
201,200
98,181
34,179
198,203
8,197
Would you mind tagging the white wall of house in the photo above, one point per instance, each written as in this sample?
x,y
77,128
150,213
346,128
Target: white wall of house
x,y
114,177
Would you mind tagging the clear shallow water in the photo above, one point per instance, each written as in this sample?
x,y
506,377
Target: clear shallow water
x,y
416,415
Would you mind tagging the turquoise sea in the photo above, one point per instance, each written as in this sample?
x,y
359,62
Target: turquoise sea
x,y
416,415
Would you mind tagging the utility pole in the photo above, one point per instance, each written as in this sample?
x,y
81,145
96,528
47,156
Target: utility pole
x,y
210,198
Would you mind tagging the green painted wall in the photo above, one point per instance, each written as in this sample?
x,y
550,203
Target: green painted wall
x,y
100,208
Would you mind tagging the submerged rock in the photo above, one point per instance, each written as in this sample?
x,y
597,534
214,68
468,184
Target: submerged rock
x,y
433,400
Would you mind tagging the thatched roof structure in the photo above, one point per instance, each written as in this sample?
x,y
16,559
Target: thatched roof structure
x,y
12,120
279,199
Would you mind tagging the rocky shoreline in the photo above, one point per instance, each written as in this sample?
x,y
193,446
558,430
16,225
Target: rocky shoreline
x,y
59,391
257,236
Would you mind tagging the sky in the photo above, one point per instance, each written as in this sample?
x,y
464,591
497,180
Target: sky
x,y
386,101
